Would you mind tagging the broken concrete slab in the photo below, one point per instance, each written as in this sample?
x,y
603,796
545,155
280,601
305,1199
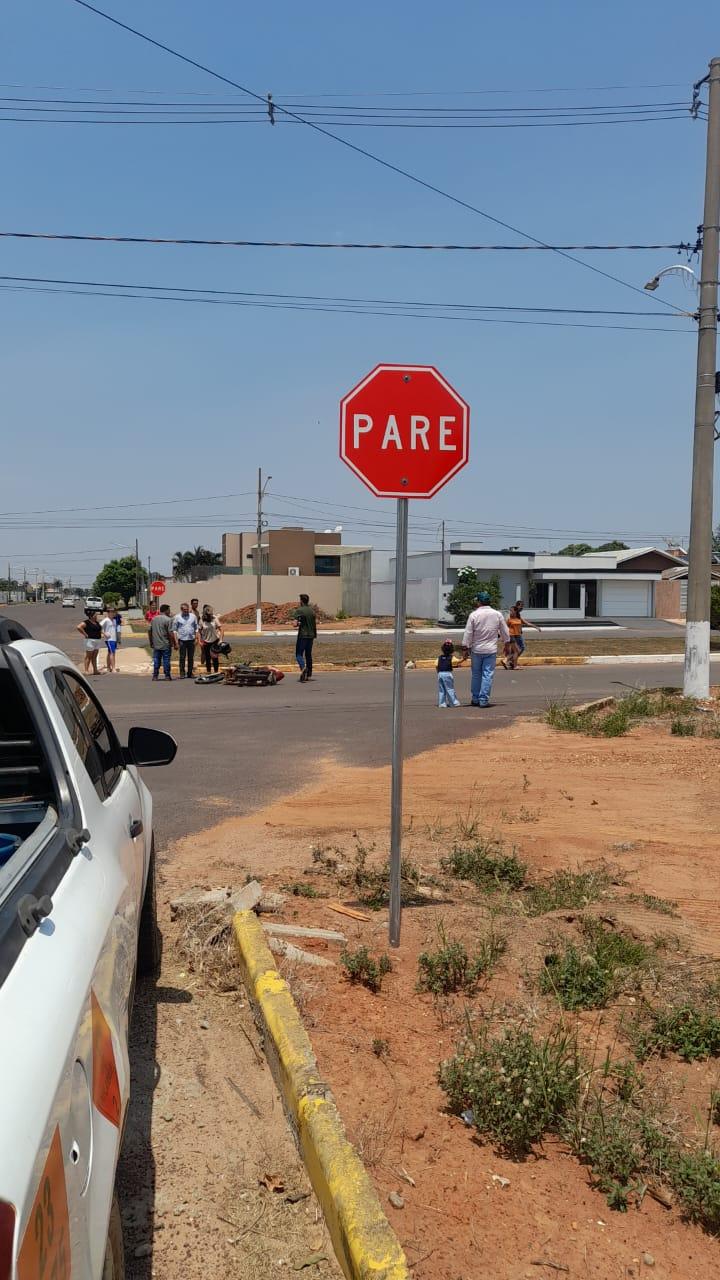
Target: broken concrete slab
x,y
302,931
291,952
270,903
228,899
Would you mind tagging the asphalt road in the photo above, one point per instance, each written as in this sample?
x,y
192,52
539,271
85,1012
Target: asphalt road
x,y
247,746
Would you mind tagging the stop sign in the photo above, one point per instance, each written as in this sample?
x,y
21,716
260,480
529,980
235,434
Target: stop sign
x,y
404,431
157,588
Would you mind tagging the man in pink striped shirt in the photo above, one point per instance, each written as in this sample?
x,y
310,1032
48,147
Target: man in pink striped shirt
x,y
480,641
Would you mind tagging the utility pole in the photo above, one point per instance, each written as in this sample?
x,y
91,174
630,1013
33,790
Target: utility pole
x,y
260,495
442,561
9,597
697,629
137,575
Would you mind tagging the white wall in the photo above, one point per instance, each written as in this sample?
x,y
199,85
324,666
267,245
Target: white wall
x,y
423,598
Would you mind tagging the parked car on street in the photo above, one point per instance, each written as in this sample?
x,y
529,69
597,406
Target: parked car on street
x,y
94,602
77,924
68,602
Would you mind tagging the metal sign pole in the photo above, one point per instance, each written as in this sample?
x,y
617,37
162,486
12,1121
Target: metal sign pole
x,y
397,720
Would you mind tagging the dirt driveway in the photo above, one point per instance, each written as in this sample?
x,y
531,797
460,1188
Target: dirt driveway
x,y
645,806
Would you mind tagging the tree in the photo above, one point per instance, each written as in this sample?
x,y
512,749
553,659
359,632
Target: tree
x,y
584,548
715,606
461,600
117,577
185,561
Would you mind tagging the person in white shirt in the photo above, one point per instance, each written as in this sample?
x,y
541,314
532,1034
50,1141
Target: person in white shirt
x,y
480,641
108,627
185,627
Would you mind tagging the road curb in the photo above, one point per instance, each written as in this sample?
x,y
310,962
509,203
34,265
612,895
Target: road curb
x,y
365,1244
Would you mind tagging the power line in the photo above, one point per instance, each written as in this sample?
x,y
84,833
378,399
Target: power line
x,y
387,164
364,93
680,247
309,297
340,310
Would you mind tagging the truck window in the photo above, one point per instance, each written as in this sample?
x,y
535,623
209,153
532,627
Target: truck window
x,y
92,734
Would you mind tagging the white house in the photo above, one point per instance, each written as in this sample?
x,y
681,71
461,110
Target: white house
x,y
601,584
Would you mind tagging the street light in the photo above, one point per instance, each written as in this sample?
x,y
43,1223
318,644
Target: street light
x,y
686,274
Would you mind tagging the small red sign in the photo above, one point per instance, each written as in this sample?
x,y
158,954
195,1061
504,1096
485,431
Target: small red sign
x,y
404,431
157,588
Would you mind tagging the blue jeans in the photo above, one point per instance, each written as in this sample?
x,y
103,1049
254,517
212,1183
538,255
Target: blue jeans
x,y
447,696
161,655
303,654
483,670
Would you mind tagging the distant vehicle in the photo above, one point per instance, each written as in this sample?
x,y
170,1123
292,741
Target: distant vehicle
x,y
51,597
93,602
77,923
68,602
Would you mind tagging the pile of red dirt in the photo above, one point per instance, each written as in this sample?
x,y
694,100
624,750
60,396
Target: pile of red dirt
x,y
274,614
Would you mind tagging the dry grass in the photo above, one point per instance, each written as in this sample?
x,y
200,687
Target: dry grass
x,y
207,945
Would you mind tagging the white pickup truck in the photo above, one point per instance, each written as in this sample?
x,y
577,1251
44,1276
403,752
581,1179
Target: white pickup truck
x,y
77,922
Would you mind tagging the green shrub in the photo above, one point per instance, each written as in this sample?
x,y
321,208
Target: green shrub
x,y
301,890
373,883
450,968
681,727
364,968
587,977
514,1089
571,889
696,1179
690,1031
486,864
566,720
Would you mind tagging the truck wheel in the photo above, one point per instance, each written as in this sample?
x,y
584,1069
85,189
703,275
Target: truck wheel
x,y
149,952
114,1266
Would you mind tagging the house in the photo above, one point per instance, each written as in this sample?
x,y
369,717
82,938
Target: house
x,y
557,588
336,577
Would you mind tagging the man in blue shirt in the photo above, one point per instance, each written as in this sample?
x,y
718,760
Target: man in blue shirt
x,y
185,627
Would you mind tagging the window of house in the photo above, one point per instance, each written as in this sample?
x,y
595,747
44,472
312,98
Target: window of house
x,y
327,566
92,734
538,595
574,595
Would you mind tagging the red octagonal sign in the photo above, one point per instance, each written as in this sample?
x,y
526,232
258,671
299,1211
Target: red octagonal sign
x,y
404,431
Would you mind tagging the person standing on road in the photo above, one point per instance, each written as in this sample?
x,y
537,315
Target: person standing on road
x,y
162,640
195,608
91,630
185,627
109,631
307,631
480,643
447,696
211,633
516,622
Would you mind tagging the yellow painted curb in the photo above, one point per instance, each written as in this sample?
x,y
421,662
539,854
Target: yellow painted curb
x,y
365,1244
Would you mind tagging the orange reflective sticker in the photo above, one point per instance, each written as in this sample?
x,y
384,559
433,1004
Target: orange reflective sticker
x,y
105,1083
45,1250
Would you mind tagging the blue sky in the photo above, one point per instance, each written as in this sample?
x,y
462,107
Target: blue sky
x,y
111,401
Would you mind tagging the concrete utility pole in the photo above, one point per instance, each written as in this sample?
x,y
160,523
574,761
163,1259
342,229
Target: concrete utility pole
x,y
137,575
697,631
260,495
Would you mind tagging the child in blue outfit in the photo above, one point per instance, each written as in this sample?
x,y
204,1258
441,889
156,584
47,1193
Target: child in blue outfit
x,y
447,696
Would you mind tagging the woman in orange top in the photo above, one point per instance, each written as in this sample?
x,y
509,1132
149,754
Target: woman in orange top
x,y
516,645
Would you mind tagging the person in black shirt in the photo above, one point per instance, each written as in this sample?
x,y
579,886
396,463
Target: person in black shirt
x,y
447,696
92,631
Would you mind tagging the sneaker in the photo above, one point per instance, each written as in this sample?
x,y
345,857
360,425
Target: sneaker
x,y
303,677
165,677
155,677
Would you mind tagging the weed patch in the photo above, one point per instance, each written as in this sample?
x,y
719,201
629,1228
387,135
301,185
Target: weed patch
x,y
682,727
449,968
691,1031
487,864
662,906
567,889
514,1089
301,890
588,976
696,1179
365,968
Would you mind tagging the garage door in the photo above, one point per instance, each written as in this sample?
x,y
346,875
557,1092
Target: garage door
x,y
626,600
